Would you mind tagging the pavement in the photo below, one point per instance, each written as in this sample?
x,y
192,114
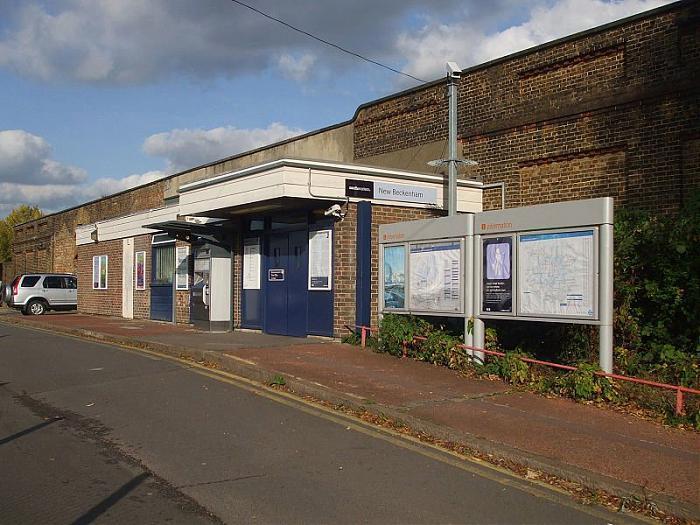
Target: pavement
x,y
601,449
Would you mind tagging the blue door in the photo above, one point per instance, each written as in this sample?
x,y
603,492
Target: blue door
x,y
162,268
286,262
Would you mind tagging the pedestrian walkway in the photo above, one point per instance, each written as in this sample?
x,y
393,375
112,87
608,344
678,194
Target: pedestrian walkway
x,y
601,448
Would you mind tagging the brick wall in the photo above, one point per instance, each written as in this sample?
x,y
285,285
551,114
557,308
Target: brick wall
x,y
48,244
345,259
614,111
101,302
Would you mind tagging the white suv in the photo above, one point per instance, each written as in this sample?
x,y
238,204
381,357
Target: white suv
x,y
35,293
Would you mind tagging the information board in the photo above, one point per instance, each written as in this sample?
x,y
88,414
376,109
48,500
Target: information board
x,y
395,277
497,275
182,278
251,264
435,277
320,260
556,274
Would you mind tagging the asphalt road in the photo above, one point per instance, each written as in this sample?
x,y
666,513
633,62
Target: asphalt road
x,y
95,433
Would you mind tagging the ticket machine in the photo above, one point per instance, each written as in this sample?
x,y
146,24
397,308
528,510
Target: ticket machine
x,y
210,295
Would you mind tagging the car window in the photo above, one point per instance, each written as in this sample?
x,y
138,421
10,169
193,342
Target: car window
x,y
53,281
71,283
29,281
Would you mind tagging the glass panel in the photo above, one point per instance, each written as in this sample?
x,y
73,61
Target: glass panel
x,y
164,260
30,281
71,283
53,282
256,225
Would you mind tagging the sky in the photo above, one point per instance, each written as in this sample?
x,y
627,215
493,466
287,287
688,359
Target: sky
x,y
97,96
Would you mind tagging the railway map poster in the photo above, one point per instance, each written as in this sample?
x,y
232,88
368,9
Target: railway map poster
x,y
251,264
556,274
435,277
497,283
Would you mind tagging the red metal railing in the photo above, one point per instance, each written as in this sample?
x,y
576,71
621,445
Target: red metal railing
x,y
680,390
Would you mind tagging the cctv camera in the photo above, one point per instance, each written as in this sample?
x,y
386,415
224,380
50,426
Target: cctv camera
x,y
333,210
453,70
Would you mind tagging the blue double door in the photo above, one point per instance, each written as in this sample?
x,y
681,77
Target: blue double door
x,y
285,280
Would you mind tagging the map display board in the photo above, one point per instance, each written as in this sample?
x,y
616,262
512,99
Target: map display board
x,y
435,283
556,274
497,284
395,277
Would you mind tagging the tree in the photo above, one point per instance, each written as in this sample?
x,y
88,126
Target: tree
x,y
20,214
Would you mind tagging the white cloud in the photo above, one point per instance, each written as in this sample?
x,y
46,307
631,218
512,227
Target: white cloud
x,y
427,50
29,176
26,158
187,148
137,41
296,68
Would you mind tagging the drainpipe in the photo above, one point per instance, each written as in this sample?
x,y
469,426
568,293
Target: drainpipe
x,y
501,185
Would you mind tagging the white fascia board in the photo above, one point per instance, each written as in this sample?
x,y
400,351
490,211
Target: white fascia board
x,y
335,167
300,181
126,226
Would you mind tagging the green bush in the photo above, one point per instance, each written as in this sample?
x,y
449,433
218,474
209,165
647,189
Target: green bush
x,y
396,329
584,384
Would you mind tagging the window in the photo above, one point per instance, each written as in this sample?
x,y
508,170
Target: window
x,y
30,281
71,283
99,272
163,264
256,225
53,281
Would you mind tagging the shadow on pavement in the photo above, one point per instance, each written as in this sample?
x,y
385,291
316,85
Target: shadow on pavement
x,y
91,515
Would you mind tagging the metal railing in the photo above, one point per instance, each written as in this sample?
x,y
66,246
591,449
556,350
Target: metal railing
x,y
679,389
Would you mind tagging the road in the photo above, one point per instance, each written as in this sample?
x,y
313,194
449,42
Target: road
x,y
96,433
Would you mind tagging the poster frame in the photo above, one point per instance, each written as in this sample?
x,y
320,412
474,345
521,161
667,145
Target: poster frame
x,y
383,307
181,276
137,255
329,286
252,241
479,275
595,318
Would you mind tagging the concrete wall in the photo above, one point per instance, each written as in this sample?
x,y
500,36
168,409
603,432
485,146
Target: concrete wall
x,y
334,144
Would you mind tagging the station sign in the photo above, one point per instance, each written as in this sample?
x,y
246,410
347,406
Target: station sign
x,y
367,189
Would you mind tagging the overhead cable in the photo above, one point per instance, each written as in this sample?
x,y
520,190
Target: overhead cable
x,y
331,44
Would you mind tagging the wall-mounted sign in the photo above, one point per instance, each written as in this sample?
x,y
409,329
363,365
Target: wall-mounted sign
x,y
556,274
251,264
275,274
182,255
497,275
140,274
320,260
435,277
363,189
390,192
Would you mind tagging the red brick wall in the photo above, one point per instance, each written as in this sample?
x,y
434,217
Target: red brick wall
x,y
54,235
610,112
101,302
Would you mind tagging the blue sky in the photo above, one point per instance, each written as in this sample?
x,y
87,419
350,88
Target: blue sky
x,y
102,95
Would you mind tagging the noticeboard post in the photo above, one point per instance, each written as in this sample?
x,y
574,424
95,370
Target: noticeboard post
x,y
552,263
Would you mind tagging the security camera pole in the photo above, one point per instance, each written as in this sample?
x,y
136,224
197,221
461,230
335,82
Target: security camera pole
x,y
453,76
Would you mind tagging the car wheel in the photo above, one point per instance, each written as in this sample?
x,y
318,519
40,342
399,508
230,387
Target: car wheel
x,y
36,307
